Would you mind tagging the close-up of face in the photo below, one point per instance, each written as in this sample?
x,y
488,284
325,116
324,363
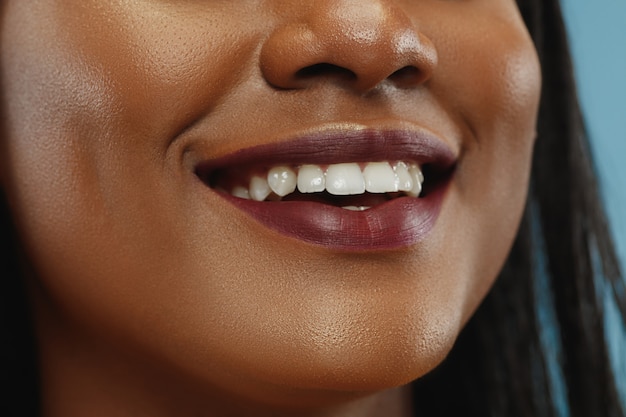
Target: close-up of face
x,y
286,202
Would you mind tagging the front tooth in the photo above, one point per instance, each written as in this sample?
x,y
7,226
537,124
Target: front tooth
x,y
405,180
311,179
418,178
241,192
380,178
344,179
259,188
420,174
282,180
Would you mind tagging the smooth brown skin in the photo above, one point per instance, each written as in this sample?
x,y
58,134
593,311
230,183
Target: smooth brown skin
x,y
152,295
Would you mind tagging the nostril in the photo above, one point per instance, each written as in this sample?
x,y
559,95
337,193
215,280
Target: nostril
x,y
408,76
327,70
359,44
405,77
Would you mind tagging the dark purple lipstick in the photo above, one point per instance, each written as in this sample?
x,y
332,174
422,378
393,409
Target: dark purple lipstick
x,y
399,222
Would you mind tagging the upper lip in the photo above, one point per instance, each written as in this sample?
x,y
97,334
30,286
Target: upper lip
x,y
399,222
329,146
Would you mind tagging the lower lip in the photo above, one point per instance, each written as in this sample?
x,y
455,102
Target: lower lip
x,y
398,223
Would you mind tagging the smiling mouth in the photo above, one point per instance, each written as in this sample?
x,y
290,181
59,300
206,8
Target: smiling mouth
x,y
349,185
348,190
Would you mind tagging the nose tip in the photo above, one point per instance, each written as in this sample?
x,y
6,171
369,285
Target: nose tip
x,y
358,44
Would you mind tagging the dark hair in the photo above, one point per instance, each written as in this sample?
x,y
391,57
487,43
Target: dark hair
x,y
18,369
551,286
537,345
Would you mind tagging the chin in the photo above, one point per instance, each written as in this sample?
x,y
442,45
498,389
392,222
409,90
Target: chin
x,y
332,369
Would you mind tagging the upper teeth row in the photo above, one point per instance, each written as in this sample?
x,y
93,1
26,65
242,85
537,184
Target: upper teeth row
x,y
337,179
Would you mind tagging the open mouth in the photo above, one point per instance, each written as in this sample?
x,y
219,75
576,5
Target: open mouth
x,y
347,190
349,185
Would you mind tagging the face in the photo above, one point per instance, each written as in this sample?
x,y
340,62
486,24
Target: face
x,y
134,134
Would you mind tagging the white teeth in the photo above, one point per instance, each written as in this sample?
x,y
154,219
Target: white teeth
x,y
336,179
418,178
356,208
380,178
241,192
282,180
344,179
259,188
311,179
419,173
405,181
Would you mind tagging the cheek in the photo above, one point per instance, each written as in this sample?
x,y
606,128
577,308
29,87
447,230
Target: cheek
x,y
93,91
85,164
497,80
495,76
500,110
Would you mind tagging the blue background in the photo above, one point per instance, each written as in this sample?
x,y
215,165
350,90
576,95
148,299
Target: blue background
x,y
597,30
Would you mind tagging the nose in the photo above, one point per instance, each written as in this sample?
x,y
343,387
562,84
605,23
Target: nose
x,y
357,43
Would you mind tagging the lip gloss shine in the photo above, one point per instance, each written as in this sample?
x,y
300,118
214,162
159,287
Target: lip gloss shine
x,y
397,223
